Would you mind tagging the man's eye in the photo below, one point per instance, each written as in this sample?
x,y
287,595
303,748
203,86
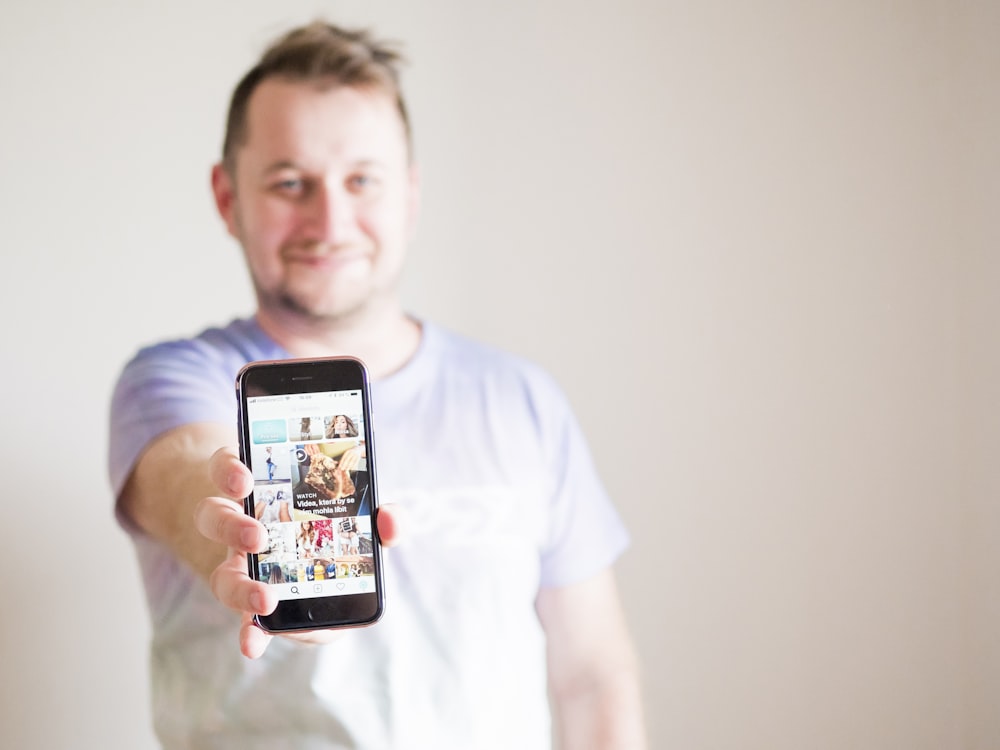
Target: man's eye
x,y
360,182
291,185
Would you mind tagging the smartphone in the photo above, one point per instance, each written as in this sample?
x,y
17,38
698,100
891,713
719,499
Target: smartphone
x,y
305,433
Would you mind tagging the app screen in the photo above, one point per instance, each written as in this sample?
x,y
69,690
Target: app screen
x,y
307,452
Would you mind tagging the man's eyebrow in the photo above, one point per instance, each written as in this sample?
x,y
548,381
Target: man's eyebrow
x,y
280,165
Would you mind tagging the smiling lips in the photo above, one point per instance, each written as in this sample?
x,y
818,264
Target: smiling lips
x,y
323,256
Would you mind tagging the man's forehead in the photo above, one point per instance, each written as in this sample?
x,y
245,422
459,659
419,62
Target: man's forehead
x,y
294,116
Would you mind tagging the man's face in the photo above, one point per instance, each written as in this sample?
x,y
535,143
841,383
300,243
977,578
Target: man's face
x,y
323,199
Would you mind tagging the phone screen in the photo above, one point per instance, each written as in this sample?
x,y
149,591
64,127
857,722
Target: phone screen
x,y
305,435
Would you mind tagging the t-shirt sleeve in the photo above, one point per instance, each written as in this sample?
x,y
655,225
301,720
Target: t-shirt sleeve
x,y
164,387
586,533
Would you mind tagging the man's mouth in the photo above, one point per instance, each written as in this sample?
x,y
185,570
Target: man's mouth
x,y
324,257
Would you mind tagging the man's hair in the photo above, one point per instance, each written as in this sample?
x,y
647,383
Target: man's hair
x,y
323,54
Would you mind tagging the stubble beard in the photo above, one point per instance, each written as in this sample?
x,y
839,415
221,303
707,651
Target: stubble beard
x,y
293,306
303,307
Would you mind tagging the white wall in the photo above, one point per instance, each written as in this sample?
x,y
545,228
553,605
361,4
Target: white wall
x,y
755,242
977,243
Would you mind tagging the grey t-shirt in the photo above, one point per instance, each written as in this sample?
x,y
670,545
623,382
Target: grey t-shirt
x,y
502,498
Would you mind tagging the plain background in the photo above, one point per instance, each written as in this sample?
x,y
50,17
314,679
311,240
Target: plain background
x,y
756,242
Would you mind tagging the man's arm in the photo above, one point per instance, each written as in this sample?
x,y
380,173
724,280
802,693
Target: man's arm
x,y
169,480
593,671
186,492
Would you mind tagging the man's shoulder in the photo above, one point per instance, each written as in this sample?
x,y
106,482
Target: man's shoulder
x,y
238,341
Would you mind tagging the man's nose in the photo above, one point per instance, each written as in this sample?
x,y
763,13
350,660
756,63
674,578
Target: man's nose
x,y
331,213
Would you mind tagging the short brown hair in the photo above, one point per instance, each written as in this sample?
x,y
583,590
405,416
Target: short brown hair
x,y
319,52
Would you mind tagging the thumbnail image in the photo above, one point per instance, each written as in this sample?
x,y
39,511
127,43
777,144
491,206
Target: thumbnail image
x,y
281,544
314,539
272,502
340,426
325,476
305,428
271,463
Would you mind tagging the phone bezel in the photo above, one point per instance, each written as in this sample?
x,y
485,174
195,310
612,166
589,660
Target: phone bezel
x,y
275,377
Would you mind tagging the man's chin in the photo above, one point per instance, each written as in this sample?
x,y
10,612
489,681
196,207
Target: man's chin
x,y
320,311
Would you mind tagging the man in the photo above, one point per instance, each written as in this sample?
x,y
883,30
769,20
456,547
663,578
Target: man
x,y
501,593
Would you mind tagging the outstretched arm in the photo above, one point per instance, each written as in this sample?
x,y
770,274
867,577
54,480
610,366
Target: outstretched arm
x,y
168,481
187,492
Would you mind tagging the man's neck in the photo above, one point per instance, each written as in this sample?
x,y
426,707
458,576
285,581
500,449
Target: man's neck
x,y
384,340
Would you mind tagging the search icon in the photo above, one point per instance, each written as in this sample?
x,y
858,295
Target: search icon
x,y
295,589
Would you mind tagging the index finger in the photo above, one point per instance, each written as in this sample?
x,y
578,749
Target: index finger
x,y
229,474
223,521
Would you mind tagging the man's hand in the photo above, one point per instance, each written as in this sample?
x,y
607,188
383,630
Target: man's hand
x,y
222,520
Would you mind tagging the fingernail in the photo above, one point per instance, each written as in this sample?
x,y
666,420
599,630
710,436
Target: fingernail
x,y
257,601
249,539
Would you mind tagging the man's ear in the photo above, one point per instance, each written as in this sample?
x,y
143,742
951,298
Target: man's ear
x,y
224,192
